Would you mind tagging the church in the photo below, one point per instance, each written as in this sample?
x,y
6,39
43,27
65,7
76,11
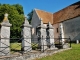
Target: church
x,y
65,23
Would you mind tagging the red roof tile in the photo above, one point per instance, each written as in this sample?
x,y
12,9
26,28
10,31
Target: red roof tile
x,y
62,15
45,16
67,13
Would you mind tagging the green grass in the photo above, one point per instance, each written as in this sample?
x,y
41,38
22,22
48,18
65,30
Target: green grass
x,y
72,54
15,46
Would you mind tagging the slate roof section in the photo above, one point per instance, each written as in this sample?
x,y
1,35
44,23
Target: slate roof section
x,y
45,16
67,13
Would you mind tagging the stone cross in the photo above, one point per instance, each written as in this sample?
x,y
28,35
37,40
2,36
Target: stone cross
x,y
26,34
5,36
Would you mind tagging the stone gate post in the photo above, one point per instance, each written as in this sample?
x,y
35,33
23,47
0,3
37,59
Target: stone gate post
x,y
5,36
51,36
26,34
42,33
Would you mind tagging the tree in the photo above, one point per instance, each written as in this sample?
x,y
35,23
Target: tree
x,y
16,18
19,8
30,16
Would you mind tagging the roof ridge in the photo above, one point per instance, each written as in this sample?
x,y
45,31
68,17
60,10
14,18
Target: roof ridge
x,y
66,7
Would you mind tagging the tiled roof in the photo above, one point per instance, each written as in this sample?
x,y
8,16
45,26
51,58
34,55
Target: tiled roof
x,y
62,15
67,13
45,16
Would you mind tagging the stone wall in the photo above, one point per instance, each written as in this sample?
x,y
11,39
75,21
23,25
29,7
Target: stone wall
x,y
32,56
72,28
34,22
56,30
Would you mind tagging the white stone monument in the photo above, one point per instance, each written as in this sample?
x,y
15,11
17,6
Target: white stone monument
x,y
5,36
43,42
77,41
51,35
62,33
26,34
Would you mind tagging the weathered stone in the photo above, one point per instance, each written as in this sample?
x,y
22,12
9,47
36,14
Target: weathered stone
x,y
26,33
62,33
65,46
43,40
42,35
72,28
51,36
5,37
77,41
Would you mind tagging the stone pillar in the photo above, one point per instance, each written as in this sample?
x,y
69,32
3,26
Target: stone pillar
x,y
5,36
26,34
42,36
51,35
62,33
43,39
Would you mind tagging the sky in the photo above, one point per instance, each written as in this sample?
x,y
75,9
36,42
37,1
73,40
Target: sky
x,y
46,5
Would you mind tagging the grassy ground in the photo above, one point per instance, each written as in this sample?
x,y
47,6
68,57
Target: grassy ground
x,y
15,47
72,54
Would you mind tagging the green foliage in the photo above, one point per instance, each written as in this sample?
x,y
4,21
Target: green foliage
x,y
19,8
16,17
30,16
15,29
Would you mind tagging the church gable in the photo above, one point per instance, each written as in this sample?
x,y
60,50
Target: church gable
x,y
45,16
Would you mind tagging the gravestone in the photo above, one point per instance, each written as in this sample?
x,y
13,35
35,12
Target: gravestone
x,y
42,36
5,36
26,34
65,46
77,41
